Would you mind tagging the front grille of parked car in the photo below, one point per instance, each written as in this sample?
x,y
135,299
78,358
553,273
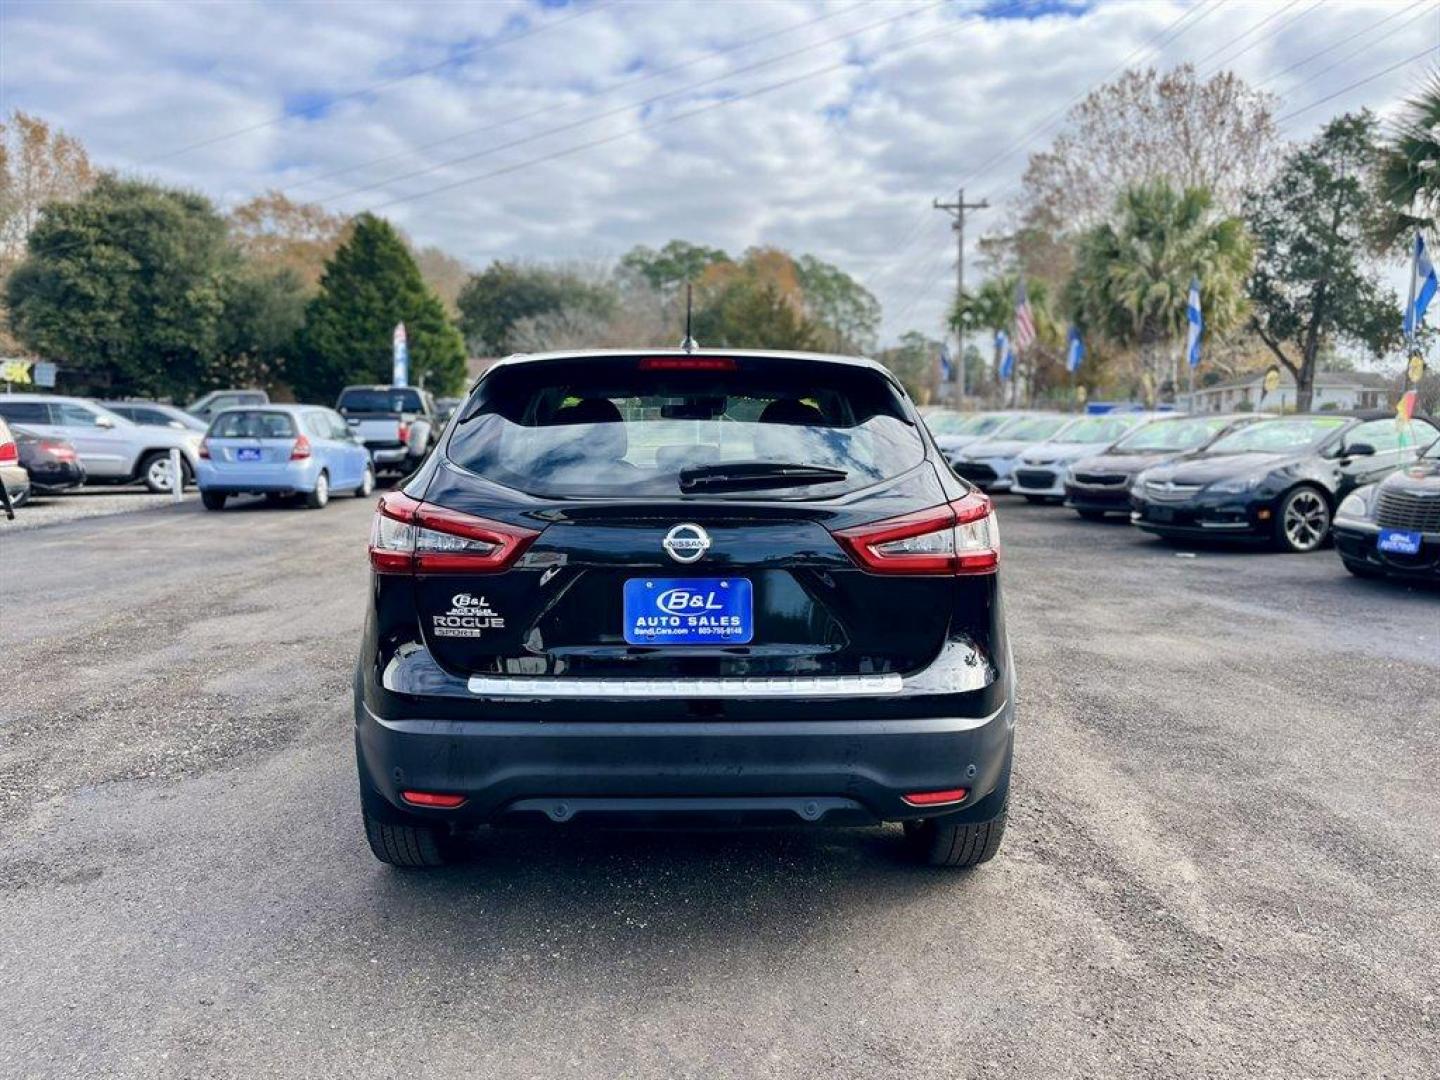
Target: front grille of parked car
x,y
975,472
1035,478
1090,479
1408,511
1169,491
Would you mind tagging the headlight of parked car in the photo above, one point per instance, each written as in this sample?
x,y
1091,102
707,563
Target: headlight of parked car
x,y
1237,485
1356,506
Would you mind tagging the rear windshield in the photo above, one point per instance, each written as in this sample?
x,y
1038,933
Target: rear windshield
x,y
1098,429
1279,435
252,424
399,399
632,426
1173,434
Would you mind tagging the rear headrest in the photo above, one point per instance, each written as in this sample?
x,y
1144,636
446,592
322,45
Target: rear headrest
x,y
609,440
791,411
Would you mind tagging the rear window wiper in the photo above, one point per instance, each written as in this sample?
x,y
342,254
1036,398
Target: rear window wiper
x,y
737,477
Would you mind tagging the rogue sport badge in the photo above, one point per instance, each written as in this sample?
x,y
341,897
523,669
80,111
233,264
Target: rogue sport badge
x,y
686,543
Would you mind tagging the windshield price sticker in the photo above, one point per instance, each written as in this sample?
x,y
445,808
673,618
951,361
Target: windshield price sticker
x,y
688,611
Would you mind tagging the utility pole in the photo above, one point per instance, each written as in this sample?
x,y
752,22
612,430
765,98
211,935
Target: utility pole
x,y
956,210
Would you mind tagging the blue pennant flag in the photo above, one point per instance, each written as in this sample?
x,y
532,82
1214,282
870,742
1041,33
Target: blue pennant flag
x,y
1422,288
1197,324
1075,351
947,364
1007,354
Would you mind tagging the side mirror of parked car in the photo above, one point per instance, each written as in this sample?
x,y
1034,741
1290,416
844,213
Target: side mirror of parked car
x,y
1359,449
104,421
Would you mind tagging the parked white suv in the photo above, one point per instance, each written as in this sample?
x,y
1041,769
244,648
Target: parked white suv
x,y
112,449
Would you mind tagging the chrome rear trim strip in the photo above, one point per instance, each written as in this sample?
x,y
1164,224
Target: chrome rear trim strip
x,y
816,686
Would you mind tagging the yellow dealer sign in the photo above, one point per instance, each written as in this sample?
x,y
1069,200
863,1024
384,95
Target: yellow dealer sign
x,y
16,371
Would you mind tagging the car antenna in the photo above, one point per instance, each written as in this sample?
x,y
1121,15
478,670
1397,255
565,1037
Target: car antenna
x,y
689,344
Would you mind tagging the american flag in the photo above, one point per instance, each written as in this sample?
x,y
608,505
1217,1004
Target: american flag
x,y
1024,318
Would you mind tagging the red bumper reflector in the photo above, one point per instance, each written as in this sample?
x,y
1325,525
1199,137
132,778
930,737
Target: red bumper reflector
x,y
936,798
430,798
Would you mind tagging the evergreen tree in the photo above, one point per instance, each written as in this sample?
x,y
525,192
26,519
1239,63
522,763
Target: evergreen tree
x,y
370,284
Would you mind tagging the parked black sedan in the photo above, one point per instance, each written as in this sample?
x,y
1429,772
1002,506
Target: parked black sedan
x,y
51,461
1277,480
1100,485
1392,529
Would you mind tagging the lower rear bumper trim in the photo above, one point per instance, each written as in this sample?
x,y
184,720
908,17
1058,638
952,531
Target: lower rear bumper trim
x,y
799,686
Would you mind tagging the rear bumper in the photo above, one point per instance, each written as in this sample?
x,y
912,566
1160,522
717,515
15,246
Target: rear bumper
x,y
287,478
836,772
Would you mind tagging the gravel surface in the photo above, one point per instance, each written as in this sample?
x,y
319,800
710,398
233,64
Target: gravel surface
x,y
1223,859
87,502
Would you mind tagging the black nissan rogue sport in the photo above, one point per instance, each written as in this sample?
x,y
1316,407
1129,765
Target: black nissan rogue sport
x,y
685,586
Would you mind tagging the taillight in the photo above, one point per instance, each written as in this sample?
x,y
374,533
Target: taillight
x,y
404,432
301,450
9,453
204,450
409,536
961,537
60,451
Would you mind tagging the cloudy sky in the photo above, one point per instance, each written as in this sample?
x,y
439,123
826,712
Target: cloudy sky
x,y
575,130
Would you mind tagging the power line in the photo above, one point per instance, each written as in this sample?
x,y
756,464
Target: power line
x,y
778,29
1359,83
1262,40
585,121
928,35
1351,55
365,91
1241,37
1345,41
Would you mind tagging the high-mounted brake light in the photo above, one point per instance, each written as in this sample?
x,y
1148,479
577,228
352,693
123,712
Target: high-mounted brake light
x,y
687,363
301,450
961,537
412,537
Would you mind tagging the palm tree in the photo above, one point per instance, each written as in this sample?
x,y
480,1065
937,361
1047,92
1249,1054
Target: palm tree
x,y
1409,171
1132,275
992,307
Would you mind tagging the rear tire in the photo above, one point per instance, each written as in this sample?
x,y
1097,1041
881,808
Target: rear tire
x,y
213,500
410,847
316,500
937,844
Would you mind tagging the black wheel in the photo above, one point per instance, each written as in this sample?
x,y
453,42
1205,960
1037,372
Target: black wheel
x,y
939,844
20,498
317,499
411,847
213,500
1302,521
1361,570
1092,515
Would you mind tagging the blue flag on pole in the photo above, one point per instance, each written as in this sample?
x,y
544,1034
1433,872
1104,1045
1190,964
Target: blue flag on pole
x,y
1075,351
1007,354
1422,288
947,364
1197,324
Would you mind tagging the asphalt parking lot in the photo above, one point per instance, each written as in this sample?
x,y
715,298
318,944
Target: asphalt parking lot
x,y
1223,857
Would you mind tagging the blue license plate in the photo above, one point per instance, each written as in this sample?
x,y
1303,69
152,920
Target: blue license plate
x,y
1398,542
247,453
689,611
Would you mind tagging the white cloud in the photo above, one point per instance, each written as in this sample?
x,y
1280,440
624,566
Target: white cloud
x,y
843,164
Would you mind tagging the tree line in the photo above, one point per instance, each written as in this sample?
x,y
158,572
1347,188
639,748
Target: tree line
x,y
1161,179
139,289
